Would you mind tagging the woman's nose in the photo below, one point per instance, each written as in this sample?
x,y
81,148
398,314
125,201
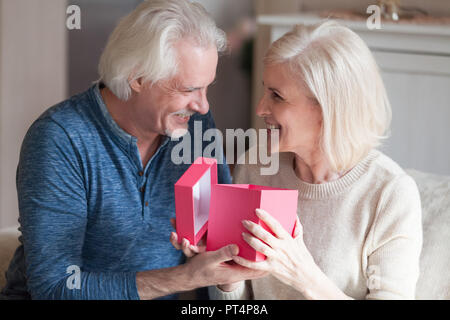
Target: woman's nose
x,y
262,109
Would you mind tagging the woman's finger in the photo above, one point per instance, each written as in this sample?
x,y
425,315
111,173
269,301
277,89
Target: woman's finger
x,y
273,224
260,232
298,229
258,245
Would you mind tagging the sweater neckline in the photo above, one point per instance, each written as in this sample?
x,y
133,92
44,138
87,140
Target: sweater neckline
x,y
326,190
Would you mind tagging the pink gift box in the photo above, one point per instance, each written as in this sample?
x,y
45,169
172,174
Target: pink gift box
x,y
192,199
220,208
232,203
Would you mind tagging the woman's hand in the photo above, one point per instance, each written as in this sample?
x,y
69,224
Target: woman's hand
x,y
288,259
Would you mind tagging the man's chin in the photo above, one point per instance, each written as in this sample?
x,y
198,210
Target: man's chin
x,y
176,133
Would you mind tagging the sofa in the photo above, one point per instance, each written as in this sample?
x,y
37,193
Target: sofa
x,y
434,280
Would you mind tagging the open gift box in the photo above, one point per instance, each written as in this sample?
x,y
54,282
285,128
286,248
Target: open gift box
x,y
202,205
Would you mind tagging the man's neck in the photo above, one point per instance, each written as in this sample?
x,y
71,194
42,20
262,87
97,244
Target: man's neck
x,y
122,113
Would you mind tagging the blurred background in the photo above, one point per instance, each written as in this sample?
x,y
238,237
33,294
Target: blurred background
x,y
43,63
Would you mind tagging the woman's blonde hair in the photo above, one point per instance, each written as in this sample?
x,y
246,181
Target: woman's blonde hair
x,y
338,69
142,43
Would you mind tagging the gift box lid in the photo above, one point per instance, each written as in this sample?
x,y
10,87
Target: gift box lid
x,y
192,199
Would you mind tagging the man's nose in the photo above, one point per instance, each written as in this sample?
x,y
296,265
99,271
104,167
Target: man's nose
x,y
201,104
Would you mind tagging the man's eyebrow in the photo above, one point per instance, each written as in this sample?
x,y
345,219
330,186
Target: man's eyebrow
x,y
189,88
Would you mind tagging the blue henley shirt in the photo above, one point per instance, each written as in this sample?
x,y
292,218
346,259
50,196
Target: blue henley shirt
x,y
85,200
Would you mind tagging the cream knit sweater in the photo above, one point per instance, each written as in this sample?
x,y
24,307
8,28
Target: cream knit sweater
x,y
364,230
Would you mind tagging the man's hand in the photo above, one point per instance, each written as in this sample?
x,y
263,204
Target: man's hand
x,y
202,270
185,246
191,250
217,268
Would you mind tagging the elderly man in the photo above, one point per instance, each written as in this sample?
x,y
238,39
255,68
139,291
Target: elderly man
x,y
95,179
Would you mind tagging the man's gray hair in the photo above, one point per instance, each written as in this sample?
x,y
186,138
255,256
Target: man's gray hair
x,y
141,46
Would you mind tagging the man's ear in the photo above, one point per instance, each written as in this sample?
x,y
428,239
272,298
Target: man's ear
x,y
136,84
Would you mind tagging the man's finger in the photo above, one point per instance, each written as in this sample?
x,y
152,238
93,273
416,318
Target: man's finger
x,y
261,266
174,240
225,253
185,248
198,249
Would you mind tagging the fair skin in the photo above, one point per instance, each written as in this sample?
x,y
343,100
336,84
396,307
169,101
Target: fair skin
x,y
151,112
291,109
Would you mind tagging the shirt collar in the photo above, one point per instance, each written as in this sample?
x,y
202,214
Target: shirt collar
x,y
126,140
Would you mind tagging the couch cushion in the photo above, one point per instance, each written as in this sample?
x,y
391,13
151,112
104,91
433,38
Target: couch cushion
x,y
8,244
434,280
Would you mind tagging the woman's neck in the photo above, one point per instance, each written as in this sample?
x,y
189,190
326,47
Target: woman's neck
x,y
313,167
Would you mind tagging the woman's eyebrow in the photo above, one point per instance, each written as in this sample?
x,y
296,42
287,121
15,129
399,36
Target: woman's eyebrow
x,y
276,91
273,89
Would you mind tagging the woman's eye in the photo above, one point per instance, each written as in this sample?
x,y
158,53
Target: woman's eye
x,y
276,96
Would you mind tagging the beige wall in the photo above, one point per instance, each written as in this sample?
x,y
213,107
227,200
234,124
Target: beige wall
x,y
32,78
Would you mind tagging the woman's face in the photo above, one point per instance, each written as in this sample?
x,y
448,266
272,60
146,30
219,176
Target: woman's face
x,y
288,106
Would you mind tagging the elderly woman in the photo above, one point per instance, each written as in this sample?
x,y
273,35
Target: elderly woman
x,y
359,232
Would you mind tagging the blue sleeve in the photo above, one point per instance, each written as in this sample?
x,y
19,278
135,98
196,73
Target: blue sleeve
x,y
53,215
223,171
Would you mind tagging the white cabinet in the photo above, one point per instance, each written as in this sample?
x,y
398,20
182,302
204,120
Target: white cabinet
x,y
415,65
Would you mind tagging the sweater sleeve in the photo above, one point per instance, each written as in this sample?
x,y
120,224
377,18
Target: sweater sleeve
x,y
53,215
243,292
395,242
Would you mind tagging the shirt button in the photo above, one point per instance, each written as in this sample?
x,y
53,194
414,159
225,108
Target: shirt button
x,y
141,173
146,204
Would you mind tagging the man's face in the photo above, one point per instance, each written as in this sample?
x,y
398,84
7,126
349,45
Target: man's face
x,y
167,105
